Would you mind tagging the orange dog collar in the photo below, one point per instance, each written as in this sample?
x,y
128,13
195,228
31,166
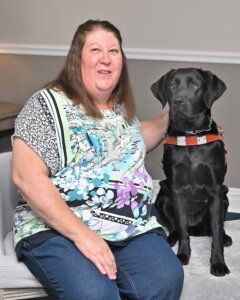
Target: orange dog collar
x,y
192,140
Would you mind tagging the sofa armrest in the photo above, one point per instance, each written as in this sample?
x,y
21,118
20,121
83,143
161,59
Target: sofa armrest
x,y
8,196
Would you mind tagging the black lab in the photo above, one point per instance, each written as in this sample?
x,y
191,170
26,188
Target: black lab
x,y
193,199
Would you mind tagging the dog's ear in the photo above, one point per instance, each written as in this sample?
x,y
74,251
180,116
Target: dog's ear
x,y
159,88
215,87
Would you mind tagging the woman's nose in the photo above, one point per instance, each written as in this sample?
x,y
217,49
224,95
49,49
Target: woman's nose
x,y
105,57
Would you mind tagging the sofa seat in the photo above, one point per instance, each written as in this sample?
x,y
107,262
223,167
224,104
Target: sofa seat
x,y
8,262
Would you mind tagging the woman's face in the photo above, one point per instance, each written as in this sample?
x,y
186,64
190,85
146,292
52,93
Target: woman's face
x,y
101,64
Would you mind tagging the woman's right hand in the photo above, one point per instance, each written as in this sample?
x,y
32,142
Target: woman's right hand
x,y
98,252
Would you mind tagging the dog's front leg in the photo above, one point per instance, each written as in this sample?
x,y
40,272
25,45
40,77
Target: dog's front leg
x,y
180,205
218,266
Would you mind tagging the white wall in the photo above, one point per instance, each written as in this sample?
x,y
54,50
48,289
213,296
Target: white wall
x,y
175,25
158,35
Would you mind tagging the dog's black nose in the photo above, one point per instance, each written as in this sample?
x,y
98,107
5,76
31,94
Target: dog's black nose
x,y
179,100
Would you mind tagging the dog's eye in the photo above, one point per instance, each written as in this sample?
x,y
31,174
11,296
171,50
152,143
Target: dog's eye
x,y
194,84
172,85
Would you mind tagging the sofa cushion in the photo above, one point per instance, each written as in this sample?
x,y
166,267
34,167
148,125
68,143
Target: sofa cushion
x,y
14,274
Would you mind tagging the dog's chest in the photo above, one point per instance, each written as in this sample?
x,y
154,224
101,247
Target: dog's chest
x,y
196,165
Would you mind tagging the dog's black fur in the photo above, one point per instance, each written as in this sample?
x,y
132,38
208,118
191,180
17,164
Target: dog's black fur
x,y
193,199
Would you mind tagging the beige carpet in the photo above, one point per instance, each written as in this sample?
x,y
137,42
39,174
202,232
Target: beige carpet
x,y
199,284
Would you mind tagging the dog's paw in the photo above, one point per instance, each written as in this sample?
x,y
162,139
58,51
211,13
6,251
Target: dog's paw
x,y
227,240
219,269
172,238
184,258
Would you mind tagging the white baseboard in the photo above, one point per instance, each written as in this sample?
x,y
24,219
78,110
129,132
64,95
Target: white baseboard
x,y
183,55
234,200
131,53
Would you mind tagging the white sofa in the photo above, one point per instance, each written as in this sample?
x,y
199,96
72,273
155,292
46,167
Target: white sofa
x,y
16,282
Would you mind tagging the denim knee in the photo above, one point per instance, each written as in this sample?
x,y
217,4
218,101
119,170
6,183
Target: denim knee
x,y
153,272
170,285
100,291
174,278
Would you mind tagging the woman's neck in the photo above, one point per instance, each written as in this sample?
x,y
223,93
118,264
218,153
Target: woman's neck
x,y
105,104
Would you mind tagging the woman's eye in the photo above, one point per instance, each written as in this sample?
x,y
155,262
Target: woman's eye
x,y
114,51
95,50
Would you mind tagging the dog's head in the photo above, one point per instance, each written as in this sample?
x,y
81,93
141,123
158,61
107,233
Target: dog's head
x,y
190,93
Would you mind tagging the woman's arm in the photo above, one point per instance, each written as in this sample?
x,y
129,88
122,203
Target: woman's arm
x,y
30,175
154,130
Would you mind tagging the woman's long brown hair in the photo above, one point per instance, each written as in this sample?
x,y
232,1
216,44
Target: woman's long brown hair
x,y
70,80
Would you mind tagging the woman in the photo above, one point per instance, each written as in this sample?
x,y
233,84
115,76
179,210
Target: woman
x,y
83,225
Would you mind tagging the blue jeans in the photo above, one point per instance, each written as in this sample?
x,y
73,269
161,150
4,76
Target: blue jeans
x,y
147,269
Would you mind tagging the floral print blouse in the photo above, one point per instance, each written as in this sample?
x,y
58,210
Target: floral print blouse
x,y
97,166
